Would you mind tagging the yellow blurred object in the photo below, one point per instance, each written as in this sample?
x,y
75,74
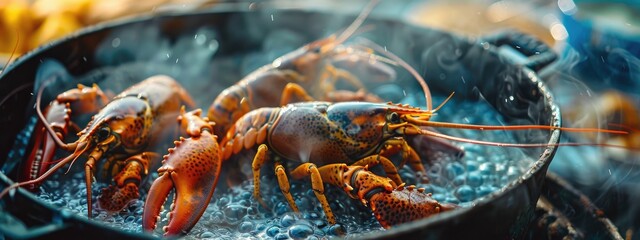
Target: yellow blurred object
x,y
611,109
16,23
42,9
26,24
107,10
53,27
619,109
474,18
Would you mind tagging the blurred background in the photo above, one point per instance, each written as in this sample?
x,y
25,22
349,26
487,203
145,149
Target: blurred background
x,y
596,79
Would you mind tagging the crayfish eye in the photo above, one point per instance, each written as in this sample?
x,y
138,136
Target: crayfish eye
x,y
316,50
103,133
394,117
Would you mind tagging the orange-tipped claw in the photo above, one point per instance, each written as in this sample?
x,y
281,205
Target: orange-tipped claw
x,y
404,204
191,168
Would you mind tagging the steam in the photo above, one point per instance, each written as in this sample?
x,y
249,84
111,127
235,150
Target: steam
x,y
608,176
138,51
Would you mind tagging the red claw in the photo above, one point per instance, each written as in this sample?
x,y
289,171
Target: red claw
x,y
80,100
405,204
191,168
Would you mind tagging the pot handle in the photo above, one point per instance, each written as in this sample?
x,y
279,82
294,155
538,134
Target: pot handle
x,y
538,54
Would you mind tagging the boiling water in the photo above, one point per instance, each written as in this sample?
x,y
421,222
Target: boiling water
x,y
233,212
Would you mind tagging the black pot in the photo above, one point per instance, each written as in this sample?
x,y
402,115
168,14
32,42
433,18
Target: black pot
x,y
473,68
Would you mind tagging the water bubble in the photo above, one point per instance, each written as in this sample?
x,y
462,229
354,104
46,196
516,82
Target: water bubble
x,y
304,203
246,195
52,184
438,189
504,180
485,190
234,213
513,172
454,169
281,208
207,234
281,236
223,201
244,203
337,230
465,193
245,227
272,231
439,197
130,219
487,168
299,231
452,199
459,180
287,220
472,166
320,223
474,179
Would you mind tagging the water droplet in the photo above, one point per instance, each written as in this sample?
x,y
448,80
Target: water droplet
x,y
115,42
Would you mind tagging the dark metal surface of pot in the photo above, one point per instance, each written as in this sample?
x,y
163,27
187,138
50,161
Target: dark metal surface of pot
x,y
473,68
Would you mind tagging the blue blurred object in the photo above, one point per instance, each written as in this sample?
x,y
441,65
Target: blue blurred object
x,y
607,35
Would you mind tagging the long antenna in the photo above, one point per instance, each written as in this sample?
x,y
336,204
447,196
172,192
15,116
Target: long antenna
x,y
518,145
405,65
13,52
356,23
44,119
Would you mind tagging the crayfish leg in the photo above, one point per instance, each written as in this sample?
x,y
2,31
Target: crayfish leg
x,y
389,168
310,169
293,92
337,74
258,161
408,155
283,181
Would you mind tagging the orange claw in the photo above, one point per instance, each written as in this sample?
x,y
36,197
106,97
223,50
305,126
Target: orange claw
x,y
391,204
404,204
192,167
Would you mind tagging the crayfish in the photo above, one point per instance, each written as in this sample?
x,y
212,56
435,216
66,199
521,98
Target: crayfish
x,y
80,100
330,141
116,138
306,74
